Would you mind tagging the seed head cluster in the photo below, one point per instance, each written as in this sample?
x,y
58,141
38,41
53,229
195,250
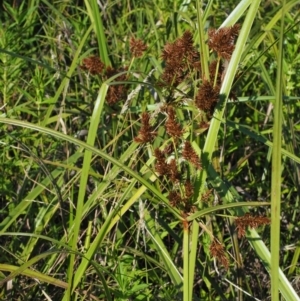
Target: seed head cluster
x,y
248,220
181,58
222,40
137,47
178,160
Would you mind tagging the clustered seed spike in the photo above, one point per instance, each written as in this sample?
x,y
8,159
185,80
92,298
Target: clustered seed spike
x,y
180,58
217,251
173,171
146,133
137,47
222,40
93,64
174,198
169,149
169,170
207,97
243,222
190,155
173,128
189,190
116,93
161,165
183,202
206,195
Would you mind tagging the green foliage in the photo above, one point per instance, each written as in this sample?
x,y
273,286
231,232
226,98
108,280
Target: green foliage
x,y
87,213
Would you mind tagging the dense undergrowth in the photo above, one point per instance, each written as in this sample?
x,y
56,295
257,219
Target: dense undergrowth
x,y
149,150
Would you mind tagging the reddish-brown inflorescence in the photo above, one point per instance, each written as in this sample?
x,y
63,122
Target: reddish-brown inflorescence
x,y
190,155
206,195
161,166
118,92
137,47
93,64
207,97
175,198
146,133
217,251
173,128
184,203
189,190
169,149
222,40
173,171
166,169
243,222
180,58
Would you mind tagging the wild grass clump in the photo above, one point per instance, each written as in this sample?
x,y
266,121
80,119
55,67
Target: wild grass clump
x,y
149,153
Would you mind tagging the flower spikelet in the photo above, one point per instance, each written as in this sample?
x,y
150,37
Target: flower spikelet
x,y
251,221
222,40
169,149
205,196
190,155
180,58
174,198
187,201
183,203
173,171
207,97
146,133
217,251
189,190
173,128
137,47
93,64
161,165
115,93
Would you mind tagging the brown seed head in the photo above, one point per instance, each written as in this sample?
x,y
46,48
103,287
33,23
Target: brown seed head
x,y
93,64
137,47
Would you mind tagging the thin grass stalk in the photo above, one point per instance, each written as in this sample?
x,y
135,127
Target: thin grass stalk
x,y
262,139
98,152
23,269
186,272
32,274
204,54
207,10
236,13
276,169
229,77
227,206
163,253
95,16
193,253
288,6
20,270
66,80
95,119
98,240
32,195
295,261
87,241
